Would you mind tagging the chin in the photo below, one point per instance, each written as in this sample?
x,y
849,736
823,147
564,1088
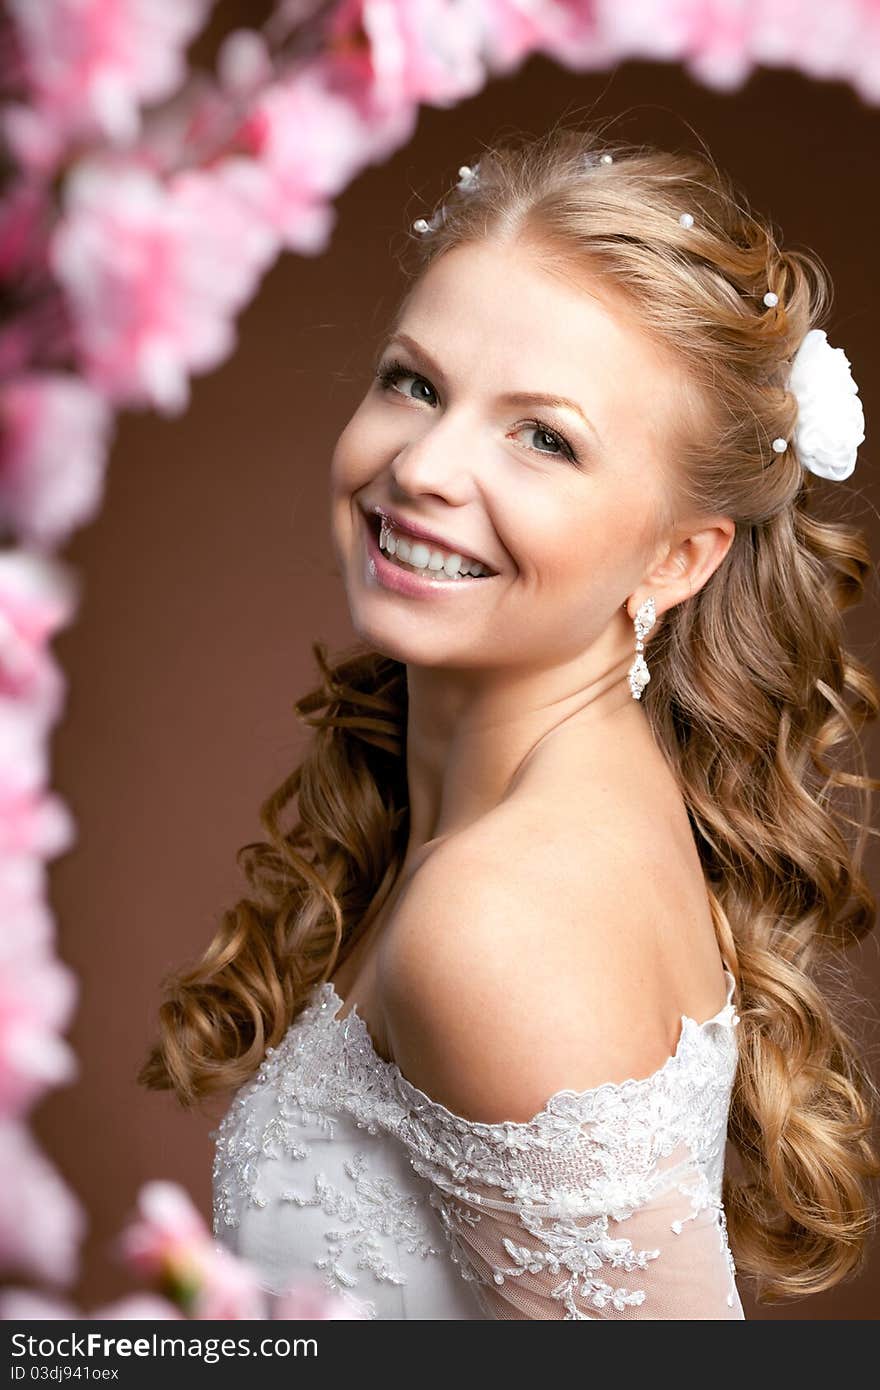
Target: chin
x,y
393,642
417,647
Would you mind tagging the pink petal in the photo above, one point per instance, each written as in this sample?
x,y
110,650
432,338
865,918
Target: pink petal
x,y
309,1300
167,1228
91,63
57,434
37,997
28,1305
154,274
137,1306
42,1224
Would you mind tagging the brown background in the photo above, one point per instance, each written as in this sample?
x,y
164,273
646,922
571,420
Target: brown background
x,y
209,573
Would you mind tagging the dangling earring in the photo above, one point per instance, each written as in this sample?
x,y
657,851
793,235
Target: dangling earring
x,y
639,675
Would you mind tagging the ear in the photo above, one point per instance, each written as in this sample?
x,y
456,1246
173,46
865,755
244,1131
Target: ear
x,y
687,561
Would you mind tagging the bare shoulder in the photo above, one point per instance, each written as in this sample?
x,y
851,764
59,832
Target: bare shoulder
x,y
525,959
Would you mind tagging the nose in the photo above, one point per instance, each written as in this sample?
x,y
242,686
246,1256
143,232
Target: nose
x,y
437,460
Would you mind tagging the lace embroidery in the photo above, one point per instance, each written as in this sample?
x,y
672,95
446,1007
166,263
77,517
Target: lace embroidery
x,y
584,1159
374,1208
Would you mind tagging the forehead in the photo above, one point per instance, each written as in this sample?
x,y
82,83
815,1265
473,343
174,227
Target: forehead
x,y
510,318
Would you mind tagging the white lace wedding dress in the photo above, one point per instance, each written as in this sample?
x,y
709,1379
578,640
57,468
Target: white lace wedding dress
x,y
329,1164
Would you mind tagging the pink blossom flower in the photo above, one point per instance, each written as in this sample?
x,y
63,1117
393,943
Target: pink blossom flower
x,y
154,273
409,54
38,597
139,1307
720,43
42,1223
229,1288
36,333
24,752
170,1243
24,227
303,144
168,1223
56,436
308,1301
823,41
24,906
90,63
707,35
244,62
510,30
35,822
35,598
26,1305
37,998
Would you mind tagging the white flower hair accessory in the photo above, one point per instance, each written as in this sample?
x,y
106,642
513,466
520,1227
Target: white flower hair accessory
x,y
830,419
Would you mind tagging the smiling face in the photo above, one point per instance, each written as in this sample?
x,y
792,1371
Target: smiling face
x,y
565,505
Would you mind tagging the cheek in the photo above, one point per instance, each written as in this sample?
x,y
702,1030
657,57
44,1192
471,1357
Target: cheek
x,y
350,463
582,551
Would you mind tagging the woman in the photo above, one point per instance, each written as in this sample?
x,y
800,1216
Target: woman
x,y
547,930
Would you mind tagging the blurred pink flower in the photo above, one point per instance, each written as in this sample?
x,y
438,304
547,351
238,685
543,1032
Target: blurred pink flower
x,y
170,1243
37,997
721,43
244,61
24,227
167,1223
42,1223
228,1287
24,905
154,273
36,334
409,54
90,63
308,1301
26,1305
56,435
35,822
303,143
707,33
38,596
510,30
146,1307
24,752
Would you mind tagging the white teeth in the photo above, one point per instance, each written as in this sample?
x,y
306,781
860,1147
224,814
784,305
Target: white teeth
x,y
423,556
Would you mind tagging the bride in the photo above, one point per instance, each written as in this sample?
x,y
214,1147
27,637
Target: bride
x,y
545,933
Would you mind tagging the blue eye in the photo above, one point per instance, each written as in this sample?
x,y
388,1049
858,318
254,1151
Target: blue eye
x,y
557,439
390,373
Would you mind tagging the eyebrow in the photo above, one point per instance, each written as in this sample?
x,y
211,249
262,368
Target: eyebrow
x,y
518,398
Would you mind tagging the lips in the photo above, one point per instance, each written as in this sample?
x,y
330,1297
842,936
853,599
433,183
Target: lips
x,y
411,528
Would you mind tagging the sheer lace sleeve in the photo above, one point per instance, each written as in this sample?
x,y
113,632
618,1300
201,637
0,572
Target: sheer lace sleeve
x,y
607,1204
